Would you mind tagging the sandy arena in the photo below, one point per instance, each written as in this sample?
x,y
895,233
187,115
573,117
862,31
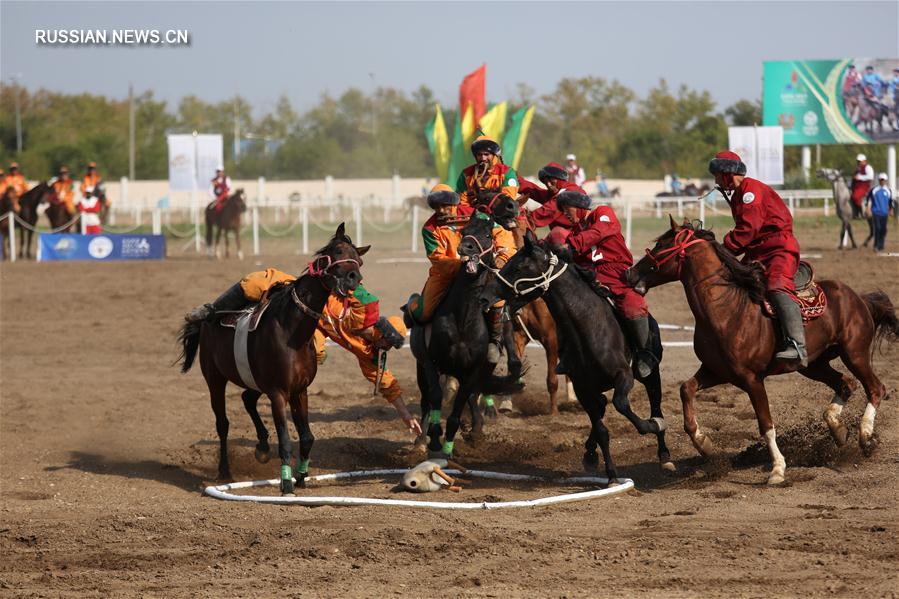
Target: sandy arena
x,y
106,449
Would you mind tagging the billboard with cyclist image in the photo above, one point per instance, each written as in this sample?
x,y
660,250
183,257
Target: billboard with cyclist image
x,y
845,101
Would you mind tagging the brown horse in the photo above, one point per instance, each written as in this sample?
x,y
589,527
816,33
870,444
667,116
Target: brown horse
x,y
8,205
60,219
736,342
28,204
280,355
226,219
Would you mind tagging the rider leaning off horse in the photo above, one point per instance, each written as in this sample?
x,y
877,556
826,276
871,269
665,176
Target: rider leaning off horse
x,y
488,176
353,322
763,232
442,235
219,188
555,177
595,242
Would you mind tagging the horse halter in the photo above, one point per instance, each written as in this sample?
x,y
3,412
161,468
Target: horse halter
x,y
682,240
322,271
545,278
483,252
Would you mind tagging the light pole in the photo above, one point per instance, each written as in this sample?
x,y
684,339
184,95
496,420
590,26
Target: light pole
x,y
16,78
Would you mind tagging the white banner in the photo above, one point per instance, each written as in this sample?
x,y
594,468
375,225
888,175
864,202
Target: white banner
x,y
193,160
762,150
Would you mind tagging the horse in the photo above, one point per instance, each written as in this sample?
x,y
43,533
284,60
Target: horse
x,y
28,204
225,219
60,219
457,347
736,342
593,346
842,200
8,205
280,355
871,113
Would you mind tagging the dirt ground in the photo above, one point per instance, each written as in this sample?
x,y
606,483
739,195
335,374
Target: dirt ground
x,y
105,450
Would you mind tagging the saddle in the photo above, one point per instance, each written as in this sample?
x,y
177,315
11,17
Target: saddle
x,y
229,318
809,295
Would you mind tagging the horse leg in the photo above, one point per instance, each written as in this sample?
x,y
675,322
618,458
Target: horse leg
x,y
431,404
595,407
459,394
624,382
218,236
759,398
237,241
820,370
216,383
477,418
227,242
299,407
653,385
551,347
703,379
857,359
250,403
279,413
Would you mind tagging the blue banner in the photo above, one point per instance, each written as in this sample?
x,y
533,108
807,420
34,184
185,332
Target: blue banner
x,y
104,247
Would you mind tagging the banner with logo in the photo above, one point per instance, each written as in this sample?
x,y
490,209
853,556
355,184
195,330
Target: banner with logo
x,y
103,248
193,160
762,151
847,101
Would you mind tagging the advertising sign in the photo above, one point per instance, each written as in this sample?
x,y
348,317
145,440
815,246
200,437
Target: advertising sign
x,y
103,248
193,160
762,151
846,101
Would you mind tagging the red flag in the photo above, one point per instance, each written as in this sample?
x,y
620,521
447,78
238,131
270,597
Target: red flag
x,y
472,91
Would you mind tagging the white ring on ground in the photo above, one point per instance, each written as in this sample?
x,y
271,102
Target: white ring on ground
x,y
222,491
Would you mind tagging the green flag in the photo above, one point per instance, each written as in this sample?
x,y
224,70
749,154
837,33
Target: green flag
x,y
459,155
513,143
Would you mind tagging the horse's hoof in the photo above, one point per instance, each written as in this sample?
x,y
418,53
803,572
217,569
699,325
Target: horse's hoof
x,y
668,466
291,494
867,445
776,479
840,435
590,462
703,444
263,456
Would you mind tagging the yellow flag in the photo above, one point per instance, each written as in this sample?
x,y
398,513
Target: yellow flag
x,y
468,130
438,142
493,123
522,136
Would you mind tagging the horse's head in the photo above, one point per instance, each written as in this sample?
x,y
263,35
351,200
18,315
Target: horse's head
x,y
662,264
524,278
476,246
339,263
239,197
8,200
502,208
830,174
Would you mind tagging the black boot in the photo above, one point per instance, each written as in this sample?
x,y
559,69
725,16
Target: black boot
x,y
495,325
232,299
644,360
790,318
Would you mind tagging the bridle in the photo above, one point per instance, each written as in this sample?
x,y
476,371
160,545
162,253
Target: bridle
x,y
320,271
545,278
483,251
682,240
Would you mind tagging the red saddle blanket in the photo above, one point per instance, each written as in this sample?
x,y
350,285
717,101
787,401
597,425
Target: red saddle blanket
x,y
809,295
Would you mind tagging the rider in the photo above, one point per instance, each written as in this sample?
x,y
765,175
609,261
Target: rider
x,y
763,231
602,187
487,176
442,235
91,179
16,180
894,84
555,177
64,188
861,183
874,84
355,324
596,243
852,77
219,188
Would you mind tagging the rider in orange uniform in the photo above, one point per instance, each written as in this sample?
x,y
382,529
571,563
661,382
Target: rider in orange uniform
x,y
763,231
64,188
596,243
90,180
3,188
16,180
355,325
442,235
488,176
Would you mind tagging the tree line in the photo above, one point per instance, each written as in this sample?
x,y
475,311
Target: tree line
x,y
374,135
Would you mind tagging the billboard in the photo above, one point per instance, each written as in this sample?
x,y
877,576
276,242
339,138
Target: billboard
x,y
846,101
193,160
103,248
762,151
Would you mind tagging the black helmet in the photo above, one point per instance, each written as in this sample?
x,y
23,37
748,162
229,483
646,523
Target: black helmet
x,y
573,198
485,144
442,195
552,171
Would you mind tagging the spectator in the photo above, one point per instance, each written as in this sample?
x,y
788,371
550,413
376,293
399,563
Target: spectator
x,y
879,204
576,174
89,207
861,183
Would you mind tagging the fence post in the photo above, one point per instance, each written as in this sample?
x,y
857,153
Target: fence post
x,y
658,208
304,212
81,226
260,190
357,215
680,207
329,188
396,188
11,222
415,228
629,216
157,221
826,206
256,228
792,206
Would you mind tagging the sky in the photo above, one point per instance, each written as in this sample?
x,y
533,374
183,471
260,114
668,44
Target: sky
x,y
262,50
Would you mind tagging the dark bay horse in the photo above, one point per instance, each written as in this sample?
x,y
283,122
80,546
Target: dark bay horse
x,y
228,220
457,348
28,205
594,348
7,206
736,342
280,353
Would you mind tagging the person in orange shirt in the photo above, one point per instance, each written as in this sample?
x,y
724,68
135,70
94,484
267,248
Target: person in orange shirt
x,y
488,176
64,188
91,180
16,180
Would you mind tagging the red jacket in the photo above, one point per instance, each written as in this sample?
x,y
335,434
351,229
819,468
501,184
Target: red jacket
x,y
548,215
598,242
763,222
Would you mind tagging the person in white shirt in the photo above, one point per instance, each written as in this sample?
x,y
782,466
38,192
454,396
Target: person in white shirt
x,y
576,174
861,184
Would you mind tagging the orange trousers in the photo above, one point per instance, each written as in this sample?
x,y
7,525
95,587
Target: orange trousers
x,y
368,361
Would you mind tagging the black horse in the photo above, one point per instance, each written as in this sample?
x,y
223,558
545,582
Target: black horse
x,y
28,212
592,344
456,344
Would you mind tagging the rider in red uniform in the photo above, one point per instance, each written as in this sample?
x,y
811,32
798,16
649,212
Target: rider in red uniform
x,y
219,188
596,243
555,178
764,233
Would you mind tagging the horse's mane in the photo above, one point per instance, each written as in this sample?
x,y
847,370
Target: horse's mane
x,y
747,277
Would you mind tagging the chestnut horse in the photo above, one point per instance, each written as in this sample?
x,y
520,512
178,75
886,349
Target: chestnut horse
x,y
280,353
736,342
226,219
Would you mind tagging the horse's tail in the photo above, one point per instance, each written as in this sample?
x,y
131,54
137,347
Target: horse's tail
x,y
886,323
504,385
189,338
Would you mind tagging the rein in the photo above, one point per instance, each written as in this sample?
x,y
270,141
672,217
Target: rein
x,y
682,240
489,249
303,307
545,278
